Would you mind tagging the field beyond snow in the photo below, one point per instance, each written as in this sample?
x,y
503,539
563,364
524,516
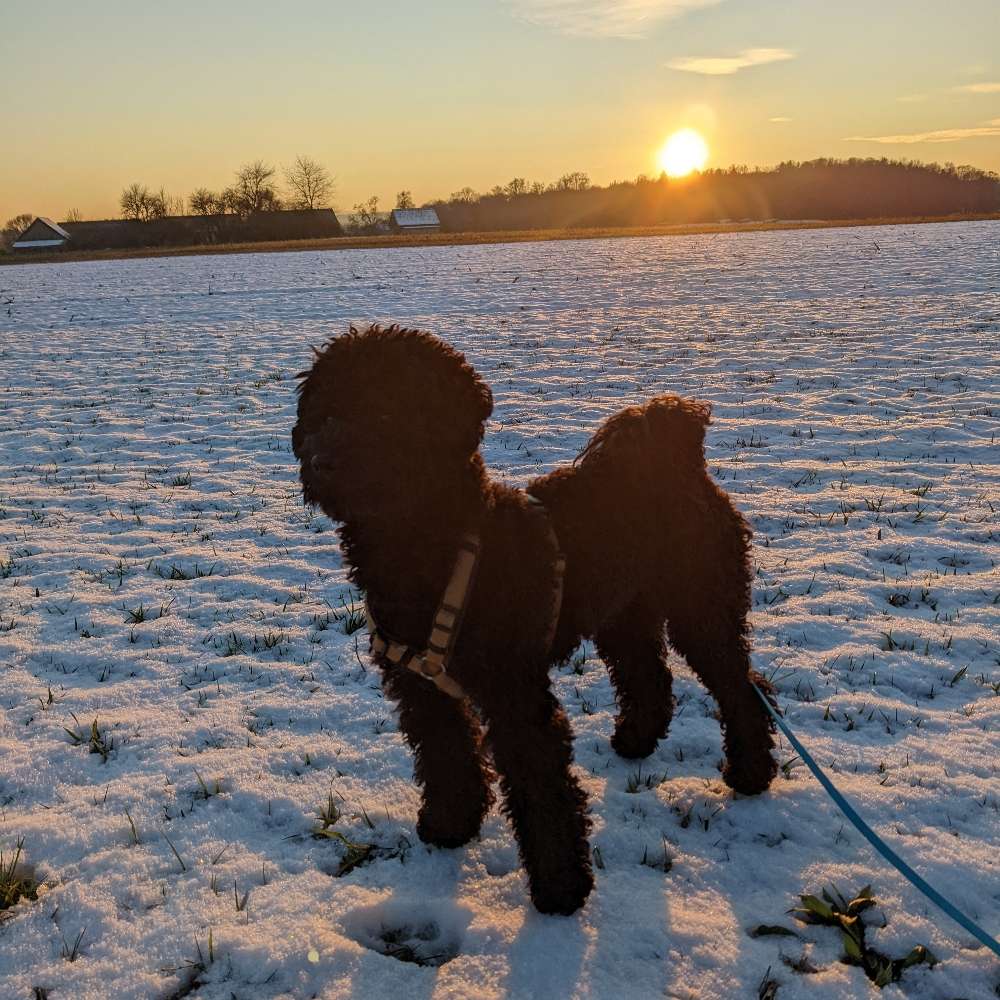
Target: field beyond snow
x,y
194,749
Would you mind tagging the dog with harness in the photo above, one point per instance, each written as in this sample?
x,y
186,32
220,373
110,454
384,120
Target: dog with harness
x,y
475,589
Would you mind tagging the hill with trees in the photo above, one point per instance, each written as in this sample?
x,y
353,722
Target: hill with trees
x,y
815,189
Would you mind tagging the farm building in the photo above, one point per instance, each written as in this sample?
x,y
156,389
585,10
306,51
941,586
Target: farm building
x,y
42,234
180,230
415,220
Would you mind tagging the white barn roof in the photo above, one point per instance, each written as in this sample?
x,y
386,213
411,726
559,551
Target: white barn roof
x,y
410,218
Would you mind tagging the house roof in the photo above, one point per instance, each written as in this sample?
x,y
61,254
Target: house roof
x,y
39,225
415,217
181,230
54,225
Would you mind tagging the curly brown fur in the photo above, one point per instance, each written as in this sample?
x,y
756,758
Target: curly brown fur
x,y
388,432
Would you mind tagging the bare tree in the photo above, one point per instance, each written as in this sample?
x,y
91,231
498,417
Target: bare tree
x,y
254,190
205,202
310,183
516,187
133,201
229,200
405,200
576,181
465,195
364,218
172,204
74,215
139,203
14,227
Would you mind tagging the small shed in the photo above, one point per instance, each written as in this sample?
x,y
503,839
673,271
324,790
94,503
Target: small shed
x,y
42,234
415,220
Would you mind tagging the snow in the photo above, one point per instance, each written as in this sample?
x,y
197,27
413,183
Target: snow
x,y
158,573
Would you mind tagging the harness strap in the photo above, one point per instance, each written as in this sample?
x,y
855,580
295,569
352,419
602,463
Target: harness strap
x,y
431,662
559,567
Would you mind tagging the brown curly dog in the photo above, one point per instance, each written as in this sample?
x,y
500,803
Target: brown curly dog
x,y
389,426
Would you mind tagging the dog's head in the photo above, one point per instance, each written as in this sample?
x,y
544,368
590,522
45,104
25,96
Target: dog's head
x,y
386,414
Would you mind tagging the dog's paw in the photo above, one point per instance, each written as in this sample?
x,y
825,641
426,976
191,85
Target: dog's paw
x,y
750,775
629,743
563,896
446,831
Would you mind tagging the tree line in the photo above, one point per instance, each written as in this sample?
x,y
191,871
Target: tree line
x,y
366,218
814,189
308,185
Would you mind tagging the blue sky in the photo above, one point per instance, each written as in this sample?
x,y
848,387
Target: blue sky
x,y
432,97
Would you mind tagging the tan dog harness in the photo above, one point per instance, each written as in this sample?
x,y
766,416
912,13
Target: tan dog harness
x,y
432,662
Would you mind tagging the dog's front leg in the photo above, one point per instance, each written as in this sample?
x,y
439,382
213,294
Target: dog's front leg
x,y
448,763
532,749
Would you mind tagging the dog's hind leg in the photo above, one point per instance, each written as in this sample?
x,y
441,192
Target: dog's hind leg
x,y
634,649
717,653
532,749
707,603
449,765
711,634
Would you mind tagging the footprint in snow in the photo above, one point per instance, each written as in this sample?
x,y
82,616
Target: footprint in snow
x,y
410,932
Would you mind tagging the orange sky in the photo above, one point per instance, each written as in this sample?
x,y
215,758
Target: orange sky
x,y
435,97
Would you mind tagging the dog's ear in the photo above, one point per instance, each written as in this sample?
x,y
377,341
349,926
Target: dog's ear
x,y
462,406
455,400
481,406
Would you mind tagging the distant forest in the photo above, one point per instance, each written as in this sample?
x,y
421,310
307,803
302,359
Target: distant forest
x,y
815,189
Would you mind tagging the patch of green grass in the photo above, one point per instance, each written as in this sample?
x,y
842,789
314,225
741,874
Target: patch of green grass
x,y
16,880
234,645
71,952
195,969
329,815
661,862
353,620
635,781
270,640
95,741
206,791
833,910
136,615
175,572
355,854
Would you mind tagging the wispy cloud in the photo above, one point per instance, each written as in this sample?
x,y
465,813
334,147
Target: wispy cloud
x,y
779,119
604,18
727,65
979,88
990,128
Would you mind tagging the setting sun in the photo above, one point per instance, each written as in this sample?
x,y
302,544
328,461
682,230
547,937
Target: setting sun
x,y
682,153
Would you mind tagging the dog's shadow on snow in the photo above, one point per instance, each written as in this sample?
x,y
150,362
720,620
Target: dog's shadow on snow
x,y
546,957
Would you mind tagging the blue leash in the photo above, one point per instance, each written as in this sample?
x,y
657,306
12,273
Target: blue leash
x,y
875,840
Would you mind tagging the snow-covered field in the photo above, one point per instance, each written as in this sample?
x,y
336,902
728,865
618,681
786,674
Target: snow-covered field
x,y
160,579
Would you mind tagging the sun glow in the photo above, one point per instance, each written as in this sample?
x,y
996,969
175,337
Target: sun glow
x,y
682,153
